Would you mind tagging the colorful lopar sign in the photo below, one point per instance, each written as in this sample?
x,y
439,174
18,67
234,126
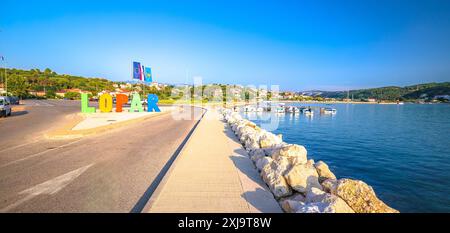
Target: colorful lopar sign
x,y
105,103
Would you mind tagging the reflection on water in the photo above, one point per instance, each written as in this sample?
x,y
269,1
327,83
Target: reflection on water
x,y
400,150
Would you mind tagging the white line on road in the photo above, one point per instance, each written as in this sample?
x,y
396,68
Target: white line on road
x,y
37,154
18,146
49,187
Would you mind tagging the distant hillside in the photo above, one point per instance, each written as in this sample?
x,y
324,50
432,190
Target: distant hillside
x,y
392,93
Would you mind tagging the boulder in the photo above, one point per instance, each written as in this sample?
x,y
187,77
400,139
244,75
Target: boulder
x,y
316,207
295,154
292,203
256,155
303,177
275,181
262,162
323,171
328,185
333,204
268,140
281,165
310,162
358,195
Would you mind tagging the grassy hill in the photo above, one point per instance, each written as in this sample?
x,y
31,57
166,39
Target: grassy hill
x,y
393,93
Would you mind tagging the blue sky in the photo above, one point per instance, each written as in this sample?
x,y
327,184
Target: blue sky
x,y
299,45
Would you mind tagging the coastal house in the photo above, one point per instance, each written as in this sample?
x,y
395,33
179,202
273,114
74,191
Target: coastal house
x,y
62,93
447,97
372,100
37,93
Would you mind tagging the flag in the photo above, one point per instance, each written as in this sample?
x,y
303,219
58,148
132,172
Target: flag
x,y
148,74
137,70
142,74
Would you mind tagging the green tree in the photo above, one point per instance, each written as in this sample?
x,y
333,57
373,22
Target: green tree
x,y
72,95
18,86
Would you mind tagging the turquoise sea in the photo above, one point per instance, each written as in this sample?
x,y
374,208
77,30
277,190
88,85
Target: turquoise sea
x,y
402,151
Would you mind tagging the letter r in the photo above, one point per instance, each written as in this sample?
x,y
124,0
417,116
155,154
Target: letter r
x,y
152,99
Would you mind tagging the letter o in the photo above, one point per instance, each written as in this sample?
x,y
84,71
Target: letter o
x,y
105,103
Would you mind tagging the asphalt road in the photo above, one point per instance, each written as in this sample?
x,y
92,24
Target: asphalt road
x,y
108,172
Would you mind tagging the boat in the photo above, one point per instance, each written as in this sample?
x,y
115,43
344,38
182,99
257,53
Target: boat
x,y
280,109
290,109
296,110
259,109
329,111
249,109
308,111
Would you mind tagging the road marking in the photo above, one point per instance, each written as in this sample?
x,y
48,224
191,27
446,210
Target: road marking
x,y
18,146
39,103
49,187
37,154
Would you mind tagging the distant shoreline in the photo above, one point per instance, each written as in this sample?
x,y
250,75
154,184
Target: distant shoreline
x,y
333,102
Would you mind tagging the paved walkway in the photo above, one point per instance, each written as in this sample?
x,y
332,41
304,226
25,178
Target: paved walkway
x,y
213,174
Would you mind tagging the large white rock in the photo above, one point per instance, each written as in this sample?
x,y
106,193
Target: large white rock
x,y
292,203
358,195
262,162
312,208
296,154
268,140
275,181
324,171
302,177
281,165
256,155
334,204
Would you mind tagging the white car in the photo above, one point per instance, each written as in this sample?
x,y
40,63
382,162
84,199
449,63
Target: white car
x,y
5,108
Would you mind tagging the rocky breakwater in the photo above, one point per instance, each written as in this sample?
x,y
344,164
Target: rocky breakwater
x,y
299,184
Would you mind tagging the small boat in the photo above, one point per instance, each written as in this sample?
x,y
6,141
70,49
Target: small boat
x,y
308,112
329,111
259,109
236,109
296,110
249,109
290,109
280,109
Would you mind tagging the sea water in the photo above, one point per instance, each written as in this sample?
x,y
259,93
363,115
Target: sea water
x,y
402,151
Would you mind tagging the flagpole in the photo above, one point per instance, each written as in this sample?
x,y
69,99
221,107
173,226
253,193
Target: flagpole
x,y
6,77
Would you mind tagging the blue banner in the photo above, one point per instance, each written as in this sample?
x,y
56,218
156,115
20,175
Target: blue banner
x,y
148,74
137,70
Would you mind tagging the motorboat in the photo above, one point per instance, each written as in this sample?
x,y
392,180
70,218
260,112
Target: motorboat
x,y
280,109
308,112
249,109
329,111
290,109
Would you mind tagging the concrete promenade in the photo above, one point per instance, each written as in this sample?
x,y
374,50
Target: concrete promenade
x,y
213,174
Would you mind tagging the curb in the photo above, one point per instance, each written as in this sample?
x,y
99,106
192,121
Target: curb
x,y
145,203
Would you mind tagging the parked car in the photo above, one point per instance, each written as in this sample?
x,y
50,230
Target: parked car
x,y
5,107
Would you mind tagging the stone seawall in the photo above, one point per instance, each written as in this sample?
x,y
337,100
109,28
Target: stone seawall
x,y
298,184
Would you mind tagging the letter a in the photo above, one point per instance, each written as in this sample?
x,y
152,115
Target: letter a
x,y
136,103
